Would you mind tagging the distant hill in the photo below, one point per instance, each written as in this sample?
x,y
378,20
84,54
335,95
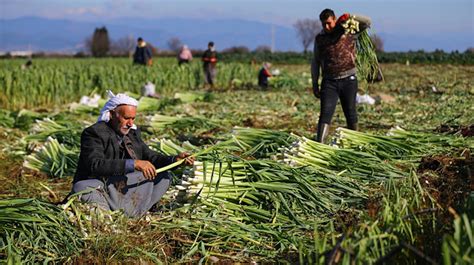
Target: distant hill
x,y
68,35
42,34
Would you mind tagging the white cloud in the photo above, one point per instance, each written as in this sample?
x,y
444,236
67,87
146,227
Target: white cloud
x,y
80,11
116,5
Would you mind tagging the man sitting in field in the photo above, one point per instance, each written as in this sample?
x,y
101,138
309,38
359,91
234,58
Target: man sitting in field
x,y
116,169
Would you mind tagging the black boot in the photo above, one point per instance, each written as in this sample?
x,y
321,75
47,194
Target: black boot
x,y
323,129
353,126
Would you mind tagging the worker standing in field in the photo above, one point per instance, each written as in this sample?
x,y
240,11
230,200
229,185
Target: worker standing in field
x,y
185,55
335,55
209,59
142,53
264,74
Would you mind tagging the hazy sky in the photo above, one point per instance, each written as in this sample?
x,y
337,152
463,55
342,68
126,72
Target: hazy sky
x,y
409,16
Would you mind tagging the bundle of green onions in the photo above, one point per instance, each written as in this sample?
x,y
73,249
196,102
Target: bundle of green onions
x,y
182,124
25,118
382,146
148,104
368,67
348,162
432,141
260,143
6,119
218,179
216,234
54,159
66,133
78,108
266,190
400,144
168,147
192,96
284,81
36,232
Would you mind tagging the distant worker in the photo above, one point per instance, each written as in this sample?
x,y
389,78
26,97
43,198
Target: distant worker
x,y
335,53
148,90
264,74
185,55
27,65
209,59
142,53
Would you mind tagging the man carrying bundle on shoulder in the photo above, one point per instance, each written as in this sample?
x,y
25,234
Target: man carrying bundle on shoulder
x,y
335,55
116,169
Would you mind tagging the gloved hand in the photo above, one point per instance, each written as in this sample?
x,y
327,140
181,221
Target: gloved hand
x,y
343,18
316,92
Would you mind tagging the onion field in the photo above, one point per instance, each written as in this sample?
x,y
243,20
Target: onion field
x,y
399,190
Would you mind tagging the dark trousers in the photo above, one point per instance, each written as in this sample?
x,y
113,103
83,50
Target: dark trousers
x,y
210,72
334,89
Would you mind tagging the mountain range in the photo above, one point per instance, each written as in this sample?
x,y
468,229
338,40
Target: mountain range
x,y
63,35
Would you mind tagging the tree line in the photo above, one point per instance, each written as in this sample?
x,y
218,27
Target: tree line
x,y
100,45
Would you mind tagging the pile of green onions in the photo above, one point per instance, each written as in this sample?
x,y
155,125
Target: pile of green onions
x,y
54,159
168,147
348,162
266,190
65,132
260,143
32,231
182,124
192,96
400,144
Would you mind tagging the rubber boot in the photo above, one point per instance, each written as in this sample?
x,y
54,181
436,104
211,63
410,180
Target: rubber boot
x,y
353,126
323,129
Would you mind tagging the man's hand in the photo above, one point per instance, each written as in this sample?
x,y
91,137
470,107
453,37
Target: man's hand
x,y
149,171
316,92
188,160
343,18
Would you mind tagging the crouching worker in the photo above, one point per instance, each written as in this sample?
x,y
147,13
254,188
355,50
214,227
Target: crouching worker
x,y
116,169
263,75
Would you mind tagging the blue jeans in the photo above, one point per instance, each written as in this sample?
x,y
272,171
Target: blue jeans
x,y
334,89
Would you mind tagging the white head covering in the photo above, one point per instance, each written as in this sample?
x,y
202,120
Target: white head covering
x,y
113,102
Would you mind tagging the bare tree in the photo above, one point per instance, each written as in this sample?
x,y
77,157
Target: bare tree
x,y
263,48
99,44
307,29
123,46
237,49
175,44
377,42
